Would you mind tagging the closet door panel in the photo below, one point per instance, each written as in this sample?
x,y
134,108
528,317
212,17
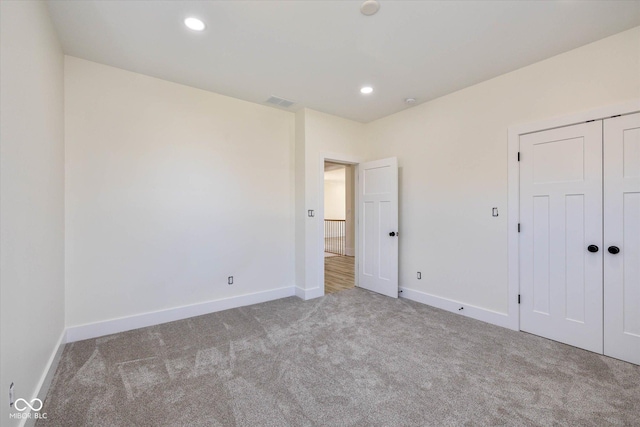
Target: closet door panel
x,y
561,216
622,231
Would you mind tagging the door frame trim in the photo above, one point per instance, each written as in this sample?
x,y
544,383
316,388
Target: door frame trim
x,y
345,159
513,192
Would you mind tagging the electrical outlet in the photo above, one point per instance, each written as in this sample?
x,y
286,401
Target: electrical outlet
x,y
230,280
419,275
11,395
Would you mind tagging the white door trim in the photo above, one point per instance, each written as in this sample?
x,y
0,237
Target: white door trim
x,y
347,160
513,193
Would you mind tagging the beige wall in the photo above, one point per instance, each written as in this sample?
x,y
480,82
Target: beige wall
x,y
335,196
169,190
32,198
318,136
452,154
300,202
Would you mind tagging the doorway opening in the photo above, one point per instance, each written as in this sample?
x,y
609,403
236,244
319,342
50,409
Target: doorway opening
x,y
339,227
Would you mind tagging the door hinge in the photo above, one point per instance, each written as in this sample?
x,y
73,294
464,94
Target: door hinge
x,y
518,156
518,298
518,227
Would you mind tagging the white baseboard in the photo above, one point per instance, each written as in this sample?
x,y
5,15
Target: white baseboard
x,y
482,314
42,388
107,327
307,294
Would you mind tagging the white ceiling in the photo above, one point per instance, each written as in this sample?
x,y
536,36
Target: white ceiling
x,y
319,53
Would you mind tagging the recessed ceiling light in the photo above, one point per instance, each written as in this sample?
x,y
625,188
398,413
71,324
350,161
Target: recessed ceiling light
x,y
369,7
366,89
195,24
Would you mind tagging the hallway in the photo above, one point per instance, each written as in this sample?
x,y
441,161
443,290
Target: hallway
x,y
338,273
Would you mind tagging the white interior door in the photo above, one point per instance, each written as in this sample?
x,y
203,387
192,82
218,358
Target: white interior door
x,y
622,231
378,223
561,216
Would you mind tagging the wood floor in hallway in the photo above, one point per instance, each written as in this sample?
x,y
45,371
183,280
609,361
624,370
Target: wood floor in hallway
x,y
339,273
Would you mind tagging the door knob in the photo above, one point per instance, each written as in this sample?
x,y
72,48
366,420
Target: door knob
x,y
393,233
613,250
592,248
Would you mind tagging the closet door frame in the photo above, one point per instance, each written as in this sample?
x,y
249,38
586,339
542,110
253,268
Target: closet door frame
x,y
513,195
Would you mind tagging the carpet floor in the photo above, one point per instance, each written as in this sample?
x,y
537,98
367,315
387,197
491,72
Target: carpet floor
x,y
353,358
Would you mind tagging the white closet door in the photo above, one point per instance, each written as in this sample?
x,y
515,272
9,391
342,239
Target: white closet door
x,y
561,216
622,231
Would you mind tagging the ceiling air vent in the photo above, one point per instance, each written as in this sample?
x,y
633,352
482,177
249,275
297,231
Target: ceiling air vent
x,y
280,101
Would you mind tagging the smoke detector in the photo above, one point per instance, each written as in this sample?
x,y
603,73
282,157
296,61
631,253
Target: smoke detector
x,y
410,101
369,7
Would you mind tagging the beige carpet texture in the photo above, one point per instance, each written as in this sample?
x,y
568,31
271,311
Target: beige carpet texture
x,y
353,358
